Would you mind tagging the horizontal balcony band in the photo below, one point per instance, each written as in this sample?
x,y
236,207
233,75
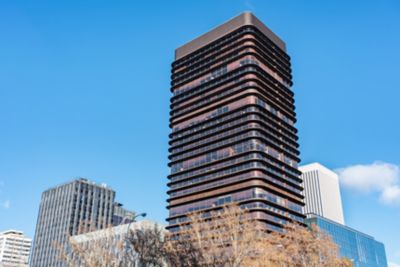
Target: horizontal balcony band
x,y
218,63
241,203
255,148
254,183
217,44
264,179
274,141
250,137
193,91
168,227
222,52
236,90
278,121
265,170
265,184
235,78
272,131
252,151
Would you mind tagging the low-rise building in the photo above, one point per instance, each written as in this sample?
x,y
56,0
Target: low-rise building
x,y
363,250
14,249
111,245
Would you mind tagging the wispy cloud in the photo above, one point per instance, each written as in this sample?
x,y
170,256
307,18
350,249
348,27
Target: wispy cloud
x,y
5,204
249,5
392,264
380,177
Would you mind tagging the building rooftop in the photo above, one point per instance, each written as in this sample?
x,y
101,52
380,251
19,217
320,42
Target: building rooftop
x,y
14,233
11,231
82,180
312,215
317,166
122,229
246,18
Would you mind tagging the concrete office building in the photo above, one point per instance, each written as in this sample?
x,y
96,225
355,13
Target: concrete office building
x,y
76,207
14,249
322,192
233,126
363,250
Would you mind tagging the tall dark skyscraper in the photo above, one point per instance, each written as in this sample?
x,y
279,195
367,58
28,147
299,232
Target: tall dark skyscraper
x,y
232,117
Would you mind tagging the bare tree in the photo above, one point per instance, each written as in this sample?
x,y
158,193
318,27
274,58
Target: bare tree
x,y
228,237
146,246
102,248
181,252
232,238
301,247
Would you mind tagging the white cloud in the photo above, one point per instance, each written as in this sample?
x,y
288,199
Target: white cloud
x,y
5,204
392,264
380,177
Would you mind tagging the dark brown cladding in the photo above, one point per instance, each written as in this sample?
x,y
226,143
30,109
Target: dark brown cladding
x,y
232,117
243,19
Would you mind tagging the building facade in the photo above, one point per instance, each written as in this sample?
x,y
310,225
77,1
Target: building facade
x,y
363,250
14,249
233,126
122,215
76,207
322,192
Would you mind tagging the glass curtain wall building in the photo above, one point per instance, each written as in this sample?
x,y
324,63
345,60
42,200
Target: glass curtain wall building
x,y
233,126
363,250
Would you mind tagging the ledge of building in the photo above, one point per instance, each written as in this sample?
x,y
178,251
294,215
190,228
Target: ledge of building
x,y
246,18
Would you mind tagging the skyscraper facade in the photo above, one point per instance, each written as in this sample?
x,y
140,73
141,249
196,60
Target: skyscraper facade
x,y
322,192
363,250
233,126
73,208
14,249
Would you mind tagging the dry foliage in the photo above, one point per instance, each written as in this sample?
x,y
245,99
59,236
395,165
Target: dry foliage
x,y
228,239
232,238
300,247
104,249
146,246
112,248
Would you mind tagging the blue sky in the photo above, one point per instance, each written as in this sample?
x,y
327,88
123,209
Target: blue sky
x,y
84,92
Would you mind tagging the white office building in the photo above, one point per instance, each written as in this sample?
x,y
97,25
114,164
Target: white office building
x,y
14,249
322,192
